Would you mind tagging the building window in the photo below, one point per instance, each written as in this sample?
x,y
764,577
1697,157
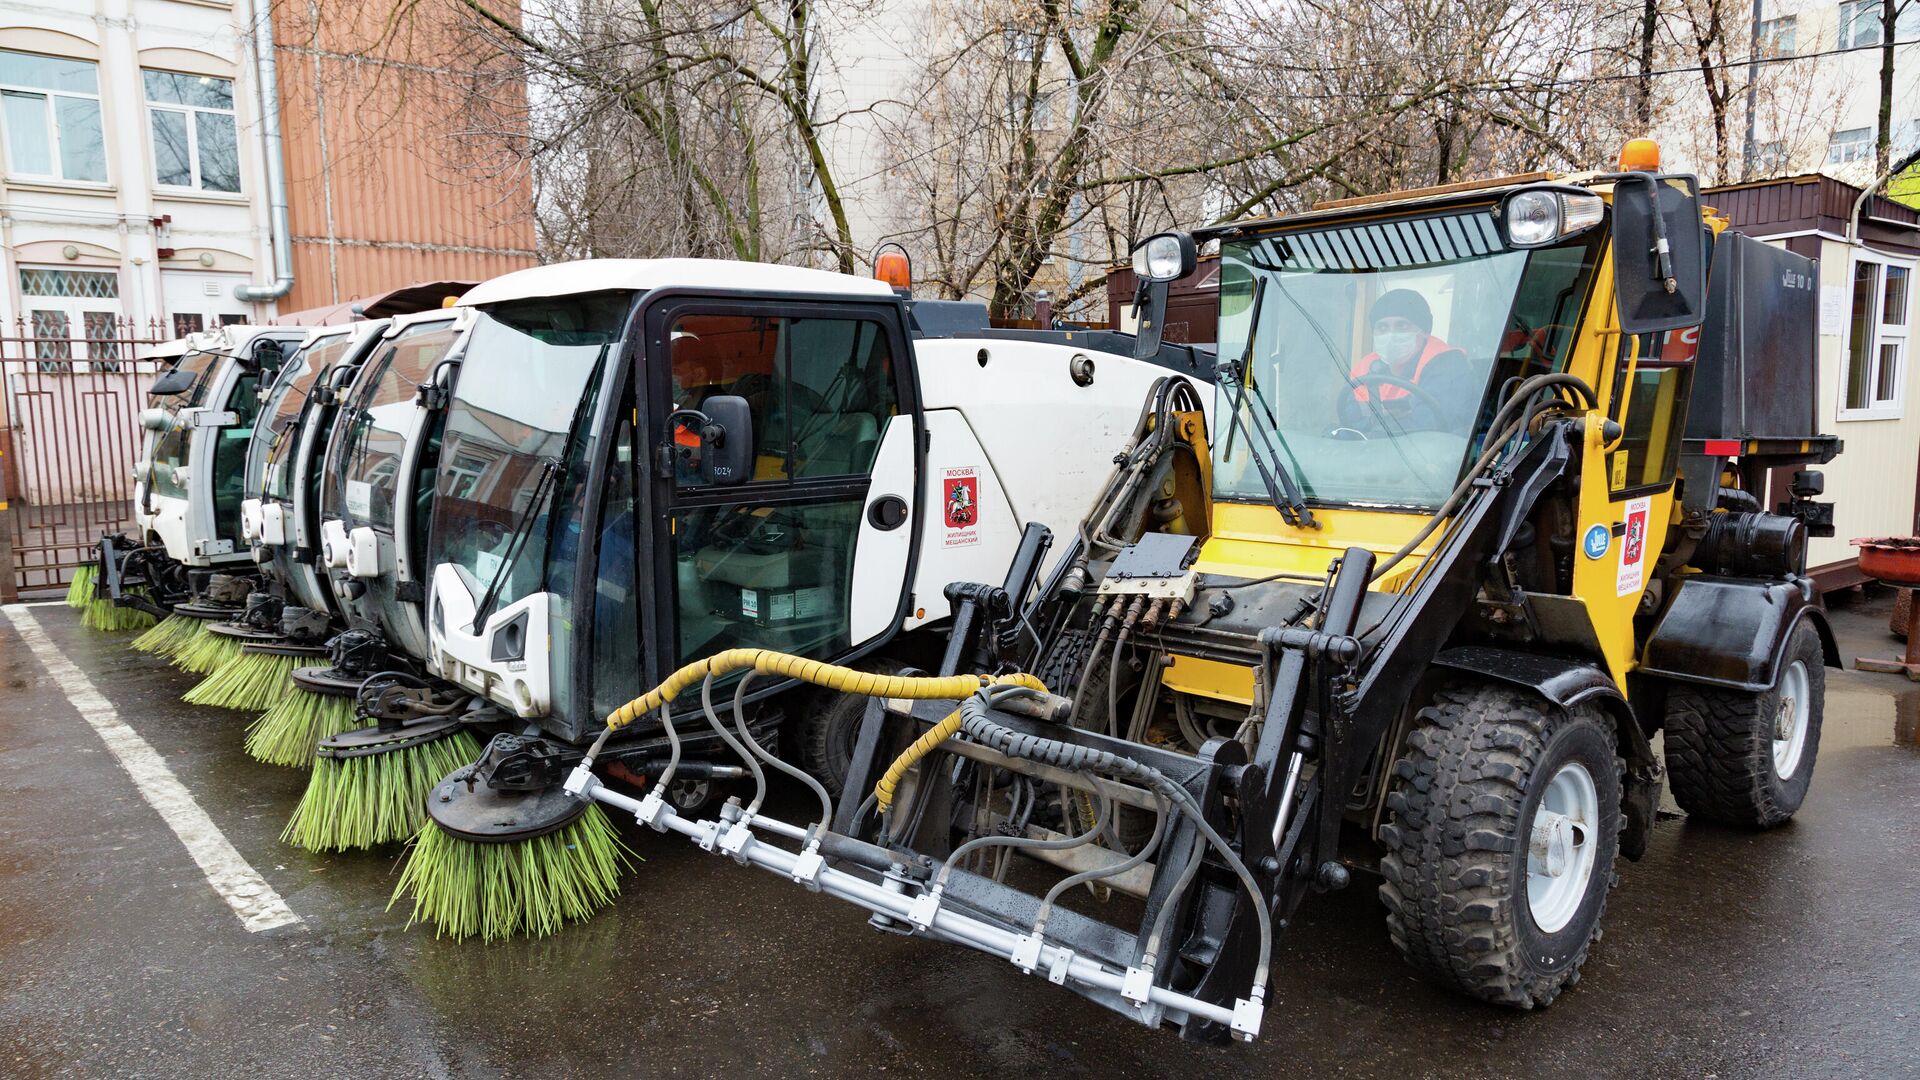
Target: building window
x,y
1859,24
1852,144
1770,157
1777,35
59,301
1877,339
194,145
51,110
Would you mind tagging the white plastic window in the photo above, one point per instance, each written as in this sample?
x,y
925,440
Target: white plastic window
x,y
194,140
50,109
1878,315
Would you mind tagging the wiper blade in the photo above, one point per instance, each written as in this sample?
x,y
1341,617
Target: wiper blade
x,y
1282,491
517,540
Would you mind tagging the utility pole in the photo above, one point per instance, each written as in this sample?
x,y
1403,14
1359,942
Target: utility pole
x,y
1749,154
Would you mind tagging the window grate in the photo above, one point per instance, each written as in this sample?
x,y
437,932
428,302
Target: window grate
x,y
76,284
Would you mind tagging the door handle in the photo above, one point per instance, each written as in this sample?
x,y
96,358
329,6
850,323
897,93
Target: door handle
x,y
887,512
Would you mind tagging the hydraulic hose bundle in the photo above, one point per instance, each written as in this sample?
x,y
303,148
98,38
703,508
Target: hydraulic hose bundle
x,y
977,695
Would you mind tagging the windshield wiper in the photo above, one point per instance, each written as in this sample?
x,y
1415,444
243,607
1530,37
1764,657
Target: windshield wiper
x,y
1282,491
543,489
517,539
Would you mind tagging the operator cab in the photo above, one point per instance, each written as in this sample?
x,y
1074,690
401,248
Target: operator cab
x,y
200,417
381,457
646,461
300,416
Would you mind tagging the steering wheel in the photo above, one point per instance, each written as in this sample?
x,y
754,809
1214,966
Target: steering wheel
x,y
1412,389
491,533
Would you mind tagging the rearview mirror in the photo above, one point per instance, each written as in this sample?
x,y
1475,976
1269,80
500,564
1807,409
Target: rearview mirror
x,y
724,425
177,381
1659,253
268,354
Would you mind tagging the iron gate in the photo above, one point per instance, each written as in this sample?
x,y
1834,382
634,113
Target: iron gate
x,y
69,435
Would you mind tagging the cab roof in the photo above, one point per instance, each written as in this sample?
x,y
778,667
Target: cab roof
x,y
604,275
1410,198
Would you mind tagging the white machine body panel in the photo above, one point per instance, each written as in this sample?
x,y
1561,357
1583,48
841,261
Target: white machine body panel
x,y
1001,423
463,654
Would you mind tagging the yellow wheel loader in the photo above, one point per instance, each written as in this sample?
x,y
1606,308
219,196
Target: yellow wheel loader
x,y
1480,517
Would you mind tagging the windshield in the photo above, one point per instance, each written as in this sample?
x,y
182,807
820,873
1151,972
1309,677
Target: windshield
x,y
285,411
170,449
1376,346
509,474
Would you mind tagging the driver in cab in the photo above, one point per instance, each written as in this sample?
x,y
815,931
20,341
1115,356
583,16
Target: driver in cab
x,y
1412,380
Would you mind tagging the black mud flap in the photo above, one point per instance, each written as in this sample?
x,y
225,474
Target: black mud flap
x,y
1732,632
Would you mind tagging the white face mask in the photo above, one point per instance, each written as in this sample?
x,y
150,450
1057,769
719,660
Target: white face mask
x,y
1396,347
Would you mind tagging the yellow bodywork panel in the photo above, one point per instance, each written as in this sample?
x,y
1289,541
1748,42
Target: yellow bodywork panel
x,y
1214,679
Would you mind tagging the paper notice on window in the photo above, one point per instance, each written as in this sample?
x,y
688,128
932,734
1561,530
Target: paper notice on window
x,y
1833,309
1633,547
359,498
486,566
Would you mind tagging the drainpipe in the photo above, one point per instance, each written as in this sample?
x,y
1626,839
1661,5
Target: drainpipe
x,y
282,231
1853,219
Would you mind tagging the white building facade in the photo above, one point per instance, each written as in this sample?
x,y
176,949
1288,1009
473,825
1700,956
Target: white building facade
x,y
134,189
1817,105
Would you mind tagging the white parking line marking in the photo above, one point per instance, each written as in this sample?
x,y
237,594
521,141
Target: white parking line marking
x,y
244,890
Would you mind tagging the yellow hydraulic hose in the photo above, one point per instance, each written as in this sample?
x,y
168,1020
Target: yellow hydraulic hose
x,y
844,679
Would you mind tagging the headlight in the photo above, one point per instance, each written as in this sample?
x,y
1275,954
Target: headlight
x,y
1167,256
1540,216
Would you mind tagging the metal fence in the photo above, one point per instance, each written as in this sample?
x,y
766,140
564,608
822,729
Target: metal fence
x,y
69,435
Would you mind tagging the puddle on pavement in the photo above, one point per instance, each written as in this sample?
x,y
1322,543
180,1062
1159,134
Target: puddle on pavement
x,y
1906,719
1865,714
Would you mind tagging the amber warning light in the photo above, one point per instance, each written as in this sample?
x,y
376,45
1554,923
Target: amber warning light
x,y
894,268
1640,155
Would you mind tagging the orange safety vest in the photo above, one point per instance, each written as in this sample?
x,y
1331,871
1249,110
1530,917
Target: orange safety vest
x,y
1387,392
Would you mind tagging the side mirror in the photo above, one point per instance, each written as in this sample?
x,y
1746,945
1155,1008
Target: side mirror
x,y
1659,253
724,424
1158,262
176,381
269,354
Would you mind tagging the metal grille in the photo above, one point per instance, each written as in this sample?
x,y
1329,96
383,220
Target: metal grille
x,y
1382,245
69,435
74,284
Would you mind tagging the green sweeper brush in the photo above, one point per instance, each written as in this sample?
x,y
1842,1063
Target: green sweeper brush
x,y
99,612
206,652
252,681
170,636
80,589
369,786
105,615
290,731
526,885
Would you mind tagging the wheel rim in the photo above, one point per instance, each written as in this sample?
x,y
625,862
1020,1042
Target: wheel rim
x,y
1790,719
1560,847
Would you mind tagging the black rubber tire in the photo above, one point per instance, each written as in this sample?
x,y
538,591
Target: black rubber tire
x,y
1719,745
1460,804
828,726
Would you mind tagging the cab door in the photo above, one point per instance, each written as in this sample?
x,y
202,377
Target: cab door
x,y
812,553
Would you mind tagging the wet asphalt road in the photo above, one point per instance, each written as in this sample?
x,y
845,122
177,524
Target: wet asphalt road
x,y
1727,954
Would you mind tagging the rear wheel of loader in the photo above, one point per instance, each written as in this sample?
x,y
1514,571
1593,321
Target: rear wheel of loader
x,y
1743,758
1504,822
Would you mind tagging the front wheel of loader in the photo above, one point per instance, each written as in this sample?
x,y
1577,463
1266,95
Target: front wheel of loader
x,y
1744,758
1503,824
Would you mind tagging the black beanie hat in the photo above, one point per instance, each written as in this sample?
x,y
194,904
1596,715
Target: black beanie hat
x,y
1406,304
